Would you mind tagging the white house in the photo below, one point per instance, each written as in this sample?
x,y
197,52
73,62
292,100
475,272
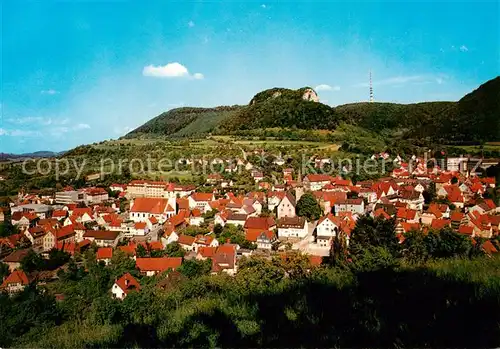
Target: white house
x,y
201,201
292,227
286,207
124,285
350,205
143,208
327,226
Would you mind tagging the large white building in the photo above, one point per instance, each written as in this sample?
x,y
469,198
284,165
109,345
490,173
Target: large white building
x,y
292,227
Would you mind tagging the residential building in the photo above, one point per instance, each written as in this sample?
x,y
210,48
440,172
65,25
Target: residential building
x,y
292,227
152,266
124,285
286,207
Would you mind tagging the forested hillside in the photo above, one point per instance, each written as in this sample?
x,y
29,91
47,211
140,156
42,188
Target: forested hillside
x,y
184,122
475,118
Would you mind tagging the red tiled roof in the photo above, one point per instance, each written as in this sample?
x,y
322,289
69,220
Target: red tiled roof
x,y
65,232
158,264
104,253
381,213
206,252
488,247
156,245
186,240
456,216
183,204
466,229
407,227
16,256
59,213
150,205
80,211
440,223
407,214
17,276
140,225
101,234
263,223
315,260
128,249
128,283
253,234
202,196
319,178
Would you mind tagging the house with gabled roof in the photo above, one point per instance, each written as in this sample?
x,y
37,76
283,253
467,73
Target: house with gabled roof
x,y
152,266
13,260
142,208
124,285
292,227
187,242
405,227
327,226
201,201
481,224
224,259
103,238
104,254
286,207
407,215
205,241
315,182
356,205
195,217
265,239
15,282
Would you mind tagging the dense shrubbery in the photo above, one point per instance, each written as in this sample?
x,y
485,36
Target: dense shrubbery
x,y
377,297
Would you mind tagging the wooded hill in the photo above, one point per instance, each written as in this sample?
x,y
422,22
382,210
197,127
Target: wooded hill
x,y
474,118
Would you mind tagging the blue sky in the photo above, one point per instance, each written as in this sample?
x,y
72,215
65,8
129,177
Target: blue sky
x,y
76,72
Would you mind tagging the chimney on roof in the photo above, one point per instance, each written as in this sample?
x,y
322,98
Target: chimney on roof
x,y
126,282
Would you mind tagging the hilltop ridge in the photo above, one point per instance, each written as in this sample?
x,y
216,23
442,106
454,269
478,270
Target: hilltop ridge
x,y
475,117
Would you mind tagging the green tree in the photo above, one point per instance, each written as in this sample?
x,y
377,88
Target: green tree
x,y
141,251
308,207
218,229
370,232
174,249
4,271
414,247
338,250
194,268
56,259
430,193
32,262
121,263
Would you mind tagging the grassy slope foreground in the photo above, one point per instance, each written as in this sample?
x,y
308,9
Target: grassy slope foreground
x,y
476,117
449,303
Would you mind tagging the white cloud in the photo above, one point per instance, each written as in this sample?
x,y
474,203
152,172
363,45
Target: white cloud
x,y
122,130
464,48
263,6
37,120
49,92
81,127
170,70
190,24
325,87
19,133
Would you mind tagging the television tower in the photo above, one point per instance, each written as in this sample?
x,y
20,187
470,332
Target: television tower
x,y
371,88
